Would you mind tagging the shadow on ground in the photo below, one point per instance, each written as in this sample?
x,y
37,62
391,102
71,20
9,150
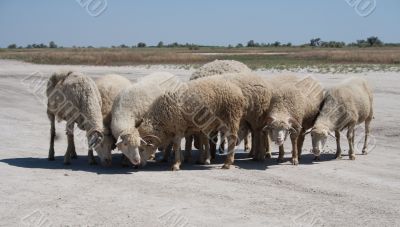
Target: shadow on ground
x,y
242,161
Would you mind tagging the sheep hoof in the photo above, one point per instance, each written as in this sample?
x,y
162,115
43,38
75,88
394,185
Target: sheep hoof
x,y
352,157
175,168
187,160
67,163
125,161
339,157
281,160
74,156
295,162
317,158
207,162
164,160
268,156
259,158
364,152
51,159
226,166
92,162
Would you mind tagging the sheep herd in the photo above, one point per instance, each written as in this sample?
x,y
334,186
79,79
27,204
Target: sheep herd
x,y
223,100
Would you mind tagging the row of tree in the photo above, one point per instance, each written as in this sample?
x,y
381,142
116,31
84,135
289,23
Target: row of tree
x,y
372,41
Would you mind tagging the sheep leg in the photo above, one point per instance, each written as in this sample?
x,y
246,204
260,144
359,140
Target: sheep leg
x,y
207,151
91,158
230,158
295,159
52,137
178,153
167,152
74,155
71,145
300,143
205,155
259,148
247,143
281,157
253,146
213,144
350,138
222,145
338,148
367,130
267,146
188,148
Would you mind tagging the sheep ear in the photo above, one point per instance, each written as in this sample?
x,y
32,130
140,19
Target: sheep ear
x,y
266,128
119,143
138,123
269,120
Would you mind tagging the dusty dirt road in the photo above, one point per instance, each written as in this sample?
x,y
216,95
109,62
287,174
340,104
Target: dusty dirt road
x,y
36,192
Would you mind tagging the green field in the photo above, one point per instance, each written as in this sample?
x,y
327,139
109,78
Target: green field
x,y
263,57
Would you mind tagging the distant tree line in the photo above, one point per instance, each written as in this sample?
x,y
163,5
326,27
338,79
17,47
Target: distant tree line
x,y
372,41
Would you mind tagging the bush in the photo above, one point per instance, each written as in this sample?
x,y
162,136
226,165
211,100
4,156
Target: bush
x,y
276,44
315,42
333,44
12,46
141,45
239,45
251,43
374,41
160,44
52,44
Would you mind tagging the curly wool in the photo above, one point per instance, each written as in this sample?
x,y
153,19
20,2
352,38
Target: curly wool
x,y
176,113
81,94
131,104
109,87
355,99
219,67
299,100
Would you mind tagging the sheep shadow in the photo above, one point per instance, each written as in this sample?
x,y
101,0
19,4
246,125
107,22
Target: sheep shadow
x,y
80,164
242,161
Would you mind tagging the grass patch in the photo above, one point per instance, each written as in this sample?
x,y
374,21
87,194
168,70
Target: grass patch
x,y
268,58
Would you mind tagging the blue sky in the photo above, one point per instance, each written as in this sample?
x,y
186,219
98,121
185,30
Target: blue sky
x,y
210,22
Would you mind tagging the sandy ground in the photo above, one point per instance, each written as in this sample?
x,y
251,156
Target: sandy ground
x,y
36,192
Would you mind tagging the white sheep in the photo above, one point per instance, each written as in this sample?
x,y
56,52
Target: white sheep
x,y
257,93
294,108
129,107
109,87
74,98
204,105
219,67
346,105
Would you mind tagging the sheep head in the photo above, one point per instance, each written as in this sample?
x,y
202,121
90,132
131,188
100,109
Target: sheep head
x,y
319,136
129,145
104,149
102,145
152,136
280,127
